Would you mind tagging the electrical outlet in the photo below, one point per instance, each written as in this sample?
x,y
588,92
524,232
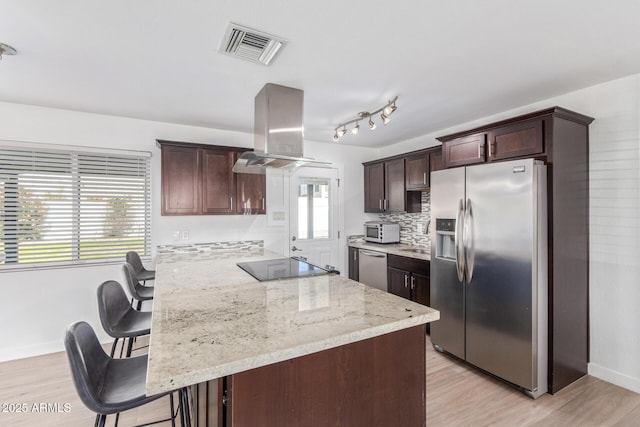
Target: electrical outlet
x,y
420,227
184,234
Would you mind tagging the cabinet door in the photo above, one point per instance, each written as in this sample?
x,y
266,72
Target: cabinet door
x,y
250,192
417,172
436,160
180,181
218,185
373,187
394,186
353,264
517,140
398,282
420,288
464,151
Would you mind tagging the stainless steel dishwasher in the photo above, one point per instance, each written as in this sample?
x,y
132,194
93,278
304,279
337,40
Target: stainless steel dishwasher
x,y
372,267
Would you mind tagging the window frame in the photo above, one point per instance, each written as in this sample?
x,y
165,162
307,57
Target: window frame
x,y
78,180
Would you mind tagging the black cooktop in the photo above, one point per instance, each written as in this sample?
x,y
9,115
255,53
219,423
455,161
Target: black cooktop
x,y
281,268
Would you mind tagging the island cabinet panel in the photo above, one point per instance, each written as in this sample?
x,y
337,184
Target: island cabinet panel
x,y
517,140
180,181
218,185
463,151
378,382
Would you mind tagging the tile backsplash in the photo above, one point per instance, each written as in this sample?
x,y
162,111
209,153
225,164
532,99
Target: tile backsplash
x,y
413,225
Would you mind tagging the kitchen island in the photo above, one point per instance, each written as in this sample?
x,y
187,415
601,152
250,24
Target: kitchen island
x,y
321,350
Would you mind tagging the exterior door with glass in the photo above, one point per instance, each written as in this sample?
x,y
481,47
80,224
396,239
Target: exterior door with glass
x,y
313,229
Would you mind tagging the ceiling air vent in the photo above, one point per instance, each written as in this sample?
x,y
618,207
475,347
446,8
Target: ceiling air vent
x,y
251,45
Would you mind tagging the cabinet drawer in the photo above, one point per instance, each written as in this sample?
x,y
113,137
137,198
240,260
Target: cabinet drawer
x,y
409,264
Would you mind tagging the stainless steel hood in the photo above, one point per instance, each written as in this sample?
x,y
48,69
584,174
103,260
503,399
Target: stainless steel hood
x,y
277,132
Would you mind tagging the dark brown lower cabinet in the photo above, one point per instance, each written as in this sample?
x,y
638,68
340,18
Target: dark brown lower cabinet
x,y
354,267
378,382
409,278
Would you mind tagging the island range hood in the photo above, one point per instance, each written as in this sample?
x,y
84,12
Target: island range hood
x,y
277,132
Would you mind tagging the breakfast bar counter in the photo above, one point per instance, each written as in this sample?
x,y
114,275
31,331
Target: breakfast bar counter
x,y
322,350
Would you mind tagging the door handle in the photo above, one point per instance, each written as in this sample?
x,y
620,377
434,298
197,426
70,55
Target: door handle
x,y
406,280
469,249
373,254
293,248
458,243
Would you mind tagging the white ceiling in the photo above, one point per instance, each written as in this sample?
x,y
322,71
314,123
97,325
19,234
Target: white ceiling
x,y
448,61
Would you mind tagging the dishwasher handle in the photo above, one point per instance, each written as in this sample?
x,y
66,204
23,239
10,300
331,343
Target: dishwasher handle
x,y
372,254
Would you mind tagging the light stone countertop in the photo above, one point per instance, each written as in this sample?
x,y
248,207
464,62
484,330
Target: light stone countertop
x,y
401,249
212,319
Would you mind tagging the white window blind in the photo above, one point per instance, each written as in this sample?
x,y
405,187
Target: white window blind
x,y
72,207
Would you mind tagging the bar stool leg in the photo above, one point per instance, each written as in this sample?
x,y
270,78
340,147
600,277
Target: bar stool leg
x,y
173,414
113,347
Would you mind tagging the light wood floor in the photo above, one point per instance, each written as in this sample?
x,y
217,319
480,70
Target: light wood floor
x,y
456,396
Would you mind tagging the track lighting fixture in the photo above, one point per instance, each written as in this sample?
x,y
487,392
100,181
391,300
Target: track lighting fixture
x,y
5,49
386,111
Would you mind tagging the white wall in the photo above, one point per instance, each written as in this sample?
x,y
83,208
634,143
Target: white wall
x,y
37,305
614,165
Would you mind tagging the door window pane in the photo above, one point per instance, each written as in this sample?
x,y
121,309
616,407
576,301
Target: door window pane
x,y
313,208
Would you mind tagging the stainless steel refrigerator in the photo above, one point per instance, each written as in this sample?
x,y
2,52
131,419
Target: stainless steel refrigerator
x,y
489,269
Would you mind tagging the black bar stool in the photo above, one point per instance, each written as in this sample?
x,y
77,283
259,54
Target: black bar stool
x,y
118,318
138,292
109,386
142,274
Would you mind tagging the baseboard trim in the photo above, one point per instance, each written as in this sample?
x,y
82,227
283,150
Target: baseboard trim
x,y
40,349
614,377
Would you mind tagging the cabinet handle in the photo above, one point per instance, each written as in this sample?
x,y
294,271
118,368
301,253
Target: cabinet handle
x,y
263,202
424,178
413,282
386,204
406,280
355,255
231,202
492,148
380,204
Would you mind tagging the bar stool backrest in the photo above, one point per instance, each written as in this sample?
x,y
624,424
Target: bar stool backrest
x,y
113,304
88,362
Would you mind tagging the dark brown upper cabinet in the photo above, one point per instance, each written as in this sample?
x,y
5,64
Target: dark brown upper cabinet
x,y
384,186
436,160
198,179
517,140
180,181
417,171
418,168
464,151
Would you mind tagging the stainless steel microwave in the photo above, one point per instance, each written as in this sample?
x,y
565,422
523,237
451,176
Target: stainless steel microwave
x,y
382,232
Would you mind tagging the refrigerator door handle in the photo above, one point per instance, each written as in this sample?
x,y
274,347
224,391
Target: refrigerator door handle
x,y
469,249
458,241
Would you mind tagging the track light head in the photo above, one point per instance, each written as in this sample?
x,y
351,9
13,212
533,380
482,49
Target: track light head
x,y
336,137
342,131
356,128
385,119
389,109
372,125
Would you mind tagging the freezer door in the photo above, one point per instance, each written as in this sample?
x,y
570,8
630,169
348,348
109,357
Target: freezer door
x,y
447,291
500,235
